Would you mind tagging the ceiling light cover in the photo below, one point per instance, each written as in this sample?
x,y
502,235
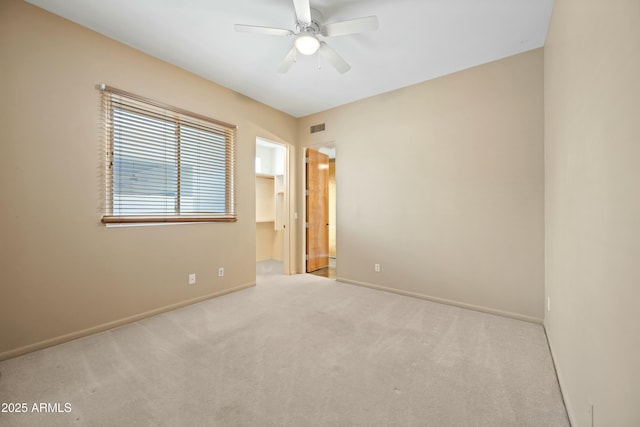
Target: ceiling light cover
x,y
307,44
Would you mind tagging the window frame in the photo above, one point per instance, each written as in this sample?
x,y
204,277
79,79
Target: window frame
x,y
179,117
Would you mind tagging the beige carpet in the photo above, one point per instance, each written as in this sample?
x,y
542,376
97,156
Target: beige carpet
x,y
296,351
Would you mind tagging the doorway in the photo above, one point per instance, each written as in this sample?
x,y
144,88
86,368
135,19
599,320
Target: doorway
x,y
320,212
272,208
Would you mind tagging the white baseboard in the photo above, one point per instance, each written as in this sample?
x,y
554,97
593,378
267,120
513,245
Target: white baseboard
x,y
480,308
113,324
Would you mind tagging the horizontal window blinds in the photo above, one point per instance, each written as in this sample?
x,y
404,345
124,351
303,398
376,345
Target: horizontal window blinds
x,y
165,164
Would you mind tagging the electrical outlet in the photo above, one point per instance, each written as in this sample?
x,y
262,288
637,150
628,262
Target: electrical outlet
x,y
192,278
221,272
376,267
548,303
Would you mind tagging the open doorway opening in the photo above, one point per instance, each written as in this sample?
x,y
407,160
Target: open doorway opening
x,y
320,212
272,208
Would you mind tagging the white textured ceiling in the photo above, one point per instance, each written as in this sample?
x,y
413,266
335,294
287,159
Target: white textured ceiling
x,y
417,40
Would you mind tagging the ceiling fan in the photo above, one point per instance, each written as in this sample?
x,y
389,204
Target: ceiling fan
x,y
309,27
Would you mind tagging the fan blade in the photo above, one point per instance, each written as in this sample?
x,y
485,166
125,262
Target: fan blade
x,y
353,26
288,61
303,11
263,30
332,57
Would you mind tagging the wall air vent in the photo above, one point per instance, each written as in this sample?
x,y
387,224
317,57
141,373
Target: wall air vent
x,y
317,128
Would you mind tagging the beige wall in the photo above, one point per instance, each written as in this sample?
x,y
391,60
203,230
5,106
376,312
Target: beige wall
x,y
269,241
592,150
442,184
265,214
265,201
62,272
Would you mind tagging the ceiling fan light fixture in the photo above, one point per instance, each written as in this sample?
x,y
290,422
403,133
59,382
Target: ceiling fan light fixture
x,y
307,44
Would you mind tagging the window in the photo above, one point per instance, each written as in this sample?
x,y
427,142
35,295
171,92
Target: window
x,y
164,164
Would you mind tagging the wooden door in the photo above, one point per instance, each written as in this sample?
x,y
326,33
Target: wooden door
x,y
317,210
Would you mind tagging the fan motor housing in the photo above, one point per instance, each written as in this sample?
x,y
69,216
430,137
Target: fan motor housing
x,y
315,25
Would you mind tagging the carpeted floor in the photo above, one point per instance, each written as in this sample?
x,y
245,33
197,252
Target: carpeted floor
x,y
295,351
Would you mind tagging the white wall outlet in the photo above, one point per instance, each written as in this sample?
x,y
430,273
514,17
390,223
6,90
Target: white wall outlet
x,y
221,272
192,278
548,303
376,267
